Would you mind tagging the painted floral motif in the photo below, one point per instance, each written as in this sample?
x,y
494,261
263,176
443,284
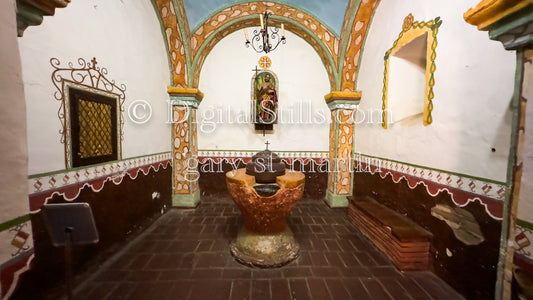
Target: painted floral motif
x,y
408,22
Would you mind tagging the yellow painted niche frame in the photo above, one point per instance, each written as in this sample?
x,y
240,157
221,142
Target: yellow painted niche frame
x,y
410,31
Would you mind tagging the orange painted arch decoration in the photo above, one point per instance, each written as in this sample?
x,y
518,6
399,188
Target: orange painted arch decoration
x,y
186,56
243,15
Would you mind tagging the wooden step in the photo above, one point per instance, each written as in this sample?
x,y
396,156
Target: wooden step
x,y
404,242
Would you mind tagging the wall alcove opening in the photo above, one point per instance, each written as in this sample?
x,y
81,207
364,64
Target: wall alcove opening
x,y
407,82
408,78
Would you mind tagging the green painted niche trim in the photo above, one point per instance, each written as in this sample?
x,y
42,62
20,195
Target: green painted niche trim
x,y
14,222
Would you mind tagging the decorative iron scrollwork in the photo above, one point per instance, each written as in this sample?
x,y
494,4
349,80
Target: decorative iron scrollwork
x,y
266,38
87,75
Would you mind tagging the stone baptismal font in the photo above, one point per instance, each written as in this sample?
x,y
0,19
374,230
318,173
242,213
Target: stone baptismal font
x,y
265,192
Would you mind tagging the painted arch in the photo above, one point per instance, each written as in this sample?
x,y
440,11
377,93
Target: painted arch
x,y
188,50
243,15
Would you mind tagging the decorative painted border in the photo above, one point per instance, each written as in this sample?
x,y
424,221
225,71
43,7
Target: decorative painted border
x,y
411,30
16,241
522,239
69,183
463,189
246,155
523,248
317,160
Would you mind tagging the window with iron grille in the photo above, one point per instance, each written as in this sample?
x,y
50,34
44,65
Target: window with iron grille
x,y
93,127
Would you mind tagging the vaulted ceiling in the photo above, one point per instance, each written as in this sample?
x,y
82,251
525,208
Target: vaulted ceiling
x,y
330,13
335,29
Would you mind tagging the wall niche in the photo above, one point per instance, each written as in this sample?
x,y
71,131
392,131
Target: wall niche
x,y
409,74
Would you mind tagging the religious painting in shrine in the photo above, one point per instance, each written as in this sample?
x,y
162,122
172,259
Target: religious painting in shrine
x,y
264,99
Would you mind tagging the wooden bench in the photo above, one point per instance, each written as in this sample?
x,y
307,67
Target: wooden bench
x,y
404,242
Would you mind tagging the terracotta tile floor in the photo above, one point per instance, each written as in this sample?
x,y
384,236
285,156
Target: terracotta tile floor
x,y
185,255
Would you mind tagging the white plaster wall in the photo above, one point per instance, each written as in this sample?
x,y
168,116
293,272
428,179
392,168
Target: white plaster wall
x,y
125,37
474,83
226,82
13,154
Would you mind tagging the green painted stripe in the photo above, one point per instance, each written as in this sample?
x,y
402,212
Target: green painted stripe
x,y
16,221
524,224
437,170
511,22
165,41
29,14
507,221
90,166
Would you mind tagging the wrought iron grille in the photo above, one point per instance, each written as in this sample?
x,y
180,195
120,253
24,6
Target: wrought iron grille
x,y
95,129
88,76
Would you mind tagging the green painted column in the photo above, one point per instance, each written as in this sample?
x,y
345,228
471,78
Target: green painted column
x,y
509,22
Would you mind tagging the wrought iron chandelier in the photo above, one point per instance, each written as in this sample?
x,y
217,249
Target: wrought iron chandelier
x,y
267,38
